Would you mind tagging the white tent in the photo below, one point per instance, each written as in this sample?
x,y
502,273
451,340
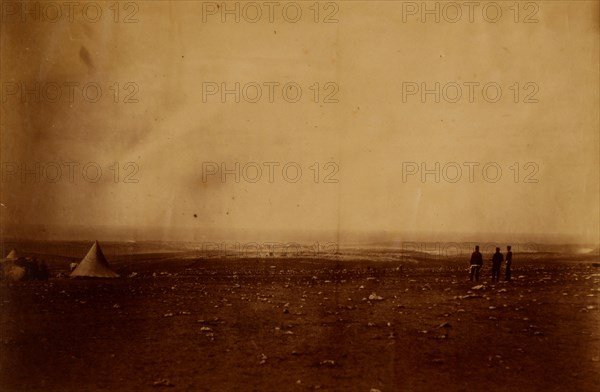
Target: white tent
x,y
12,255
94,265
10,270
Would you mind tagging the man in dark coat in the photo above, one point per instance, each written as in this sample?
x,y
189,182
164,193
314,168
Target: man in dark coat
x,y
508,262
476,263
497,260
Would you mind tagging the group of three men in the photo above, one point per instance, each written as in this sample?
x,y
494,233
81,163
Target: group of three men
x,y
497,259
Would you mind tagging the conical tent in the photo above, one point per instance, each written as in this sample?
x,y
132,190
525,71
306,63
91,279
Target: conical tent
x,y
12,255
94,265
9,269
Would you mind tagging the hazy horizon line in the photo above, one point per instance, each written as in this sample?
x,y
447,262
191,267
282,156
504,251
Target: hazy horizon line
x,y
246,235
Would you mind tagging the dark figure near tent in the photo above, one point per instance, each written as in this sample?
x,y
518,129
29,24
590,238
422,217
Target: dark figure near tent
x,y
43,271
34,269
508,262
497,260
476,263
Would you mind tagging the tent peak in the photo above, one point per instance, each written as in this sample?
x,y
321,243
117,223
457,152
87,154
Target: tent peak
x,y
94,265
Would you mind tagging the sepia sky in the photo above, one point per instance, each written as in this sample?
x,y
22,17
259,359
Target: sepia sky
x,y
368,146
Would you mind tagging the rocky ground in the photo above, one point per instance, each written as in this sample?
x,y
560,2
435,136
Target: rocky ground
x,y
289,324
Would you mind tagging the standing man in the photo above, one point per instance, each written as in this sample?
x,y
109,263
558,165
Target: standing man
x,y
497,260
476,263
508,262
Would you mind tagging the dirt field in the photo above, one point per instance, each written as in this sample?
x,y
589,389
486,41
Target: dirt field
x,y
287,325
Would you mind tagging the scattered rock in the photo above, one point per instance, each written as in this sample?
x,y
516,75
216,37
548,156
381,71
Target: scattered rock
x,y
327,362
163,382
